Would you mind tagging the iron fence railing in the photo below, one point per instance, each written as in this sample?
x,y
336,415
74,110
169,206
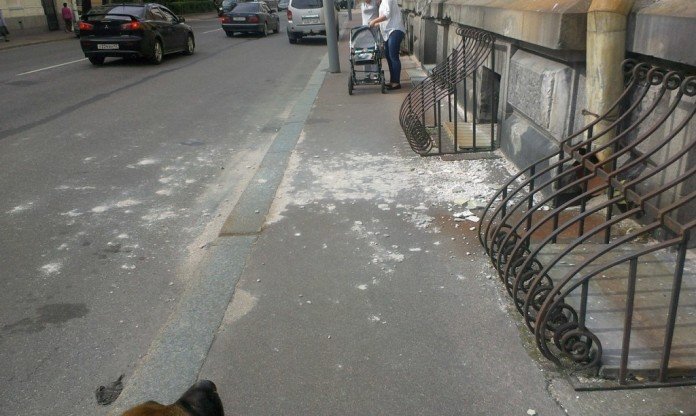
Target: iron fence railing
x,y
421,112
598,297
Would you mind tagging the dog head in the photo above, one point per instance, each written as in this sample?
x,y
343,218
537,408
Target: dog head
x,y
201,399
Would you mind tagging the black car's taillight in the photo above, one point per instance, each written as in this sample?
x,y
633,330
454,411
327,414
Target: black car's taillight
x,y
253,19
85,27
134,25
225,19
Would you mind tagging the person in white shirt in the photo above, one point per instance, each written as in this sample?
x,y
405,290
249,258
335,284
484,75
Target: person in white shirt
x,y
369,10
393,32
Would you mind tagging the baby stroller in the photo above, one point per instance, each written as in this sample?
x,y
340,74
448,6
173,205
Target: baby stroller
x,y
366,53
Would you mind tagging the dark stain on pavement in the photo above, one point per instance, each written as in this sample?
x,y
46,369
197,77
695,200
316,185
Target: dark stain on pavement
x,y
50,314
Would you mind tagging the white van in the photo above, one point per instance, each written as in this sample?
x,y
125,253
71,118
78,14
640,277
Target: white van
x,y
306,18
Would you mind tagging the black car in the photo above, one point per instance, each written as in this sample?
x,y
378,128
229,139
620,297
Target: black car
x,y
134,30
254,16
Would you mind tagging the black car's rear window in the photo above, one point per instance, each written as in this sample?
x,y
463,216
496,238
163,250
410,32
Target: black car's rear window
x,y
229,4
307,4
247,7
113,12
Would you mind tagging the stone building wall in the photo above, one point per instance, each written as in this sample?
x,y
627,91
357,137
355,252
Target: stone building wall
x,y
540,58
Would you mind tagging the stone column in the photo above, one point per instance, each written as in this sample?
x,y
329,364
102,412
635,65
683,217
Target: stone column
x,y
606,48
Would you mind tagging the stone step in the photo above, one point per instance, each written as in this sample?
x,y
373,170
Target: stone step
x,y
606,308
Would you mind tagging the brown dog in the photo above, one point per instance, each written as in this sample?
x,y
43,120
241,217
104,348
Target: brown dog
x,y
199,400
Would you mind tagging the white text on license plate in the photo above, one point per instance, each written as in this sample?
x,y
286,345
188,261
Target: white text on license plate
x,y
310,21
239,19
107,46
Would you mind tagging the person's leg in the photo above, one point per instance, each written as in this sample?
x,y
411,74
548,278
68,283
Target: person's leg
x,y
388,58
393,48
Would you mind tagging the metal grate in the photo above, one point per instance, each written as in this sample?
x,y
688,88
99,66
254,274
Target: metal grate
x,y
599,297
421,112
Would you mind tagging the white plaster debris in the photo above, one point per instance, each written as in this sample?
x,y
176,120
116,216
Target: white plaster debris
x,y
122,236
414,249
63,246
74,188
128,266
71,213
51,268
362,287
463,214
99,209
165,180
164,192
20,208
158,216
127,203
384,207
145,162
374,318
531,412
384,178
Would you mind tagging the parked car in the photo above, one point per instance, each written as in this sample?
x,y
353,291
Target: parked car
x,y
226,7
283,4
251,17
306,18
134,30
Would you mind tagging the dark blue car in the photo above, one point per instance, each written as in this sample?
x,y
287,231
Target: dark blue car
x,y
251,17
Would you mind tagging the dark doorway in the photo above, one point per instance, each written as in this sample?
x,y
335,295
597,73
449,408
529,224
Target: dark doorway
x,y
51,16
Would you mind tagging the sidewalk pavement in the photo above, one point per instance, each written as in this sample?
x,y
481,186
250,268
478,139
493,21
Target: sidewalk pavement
x,y
19,39
362,295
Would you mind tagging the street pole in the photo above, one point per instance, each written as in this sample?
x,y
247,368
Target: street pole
x,y
331,35
350,10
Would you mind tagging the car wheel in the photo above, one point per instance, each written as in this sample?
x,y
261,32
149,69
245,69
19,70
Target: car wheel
x,y
157,54
292,39
229,34
350,85
190,45
277,27
264,33
96,60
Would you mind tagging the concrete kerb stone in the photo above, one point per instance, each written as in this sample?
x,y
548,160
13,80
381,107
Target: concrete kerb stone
x,y
175,358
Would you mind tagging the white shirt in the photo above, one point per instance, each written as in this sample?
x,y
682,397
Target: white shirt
x,y
391,10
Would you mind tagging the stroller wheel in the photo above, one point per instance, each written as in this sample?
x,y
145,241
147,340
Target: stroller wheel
x,y
350,85
384,86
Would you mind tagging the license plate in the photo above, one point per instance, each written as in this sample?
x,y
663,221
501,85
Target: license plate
x,y
310,20
239,19
107,46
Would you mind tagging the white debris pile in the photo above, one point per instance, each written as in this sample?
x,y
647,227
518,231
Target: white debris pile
x,y
461,186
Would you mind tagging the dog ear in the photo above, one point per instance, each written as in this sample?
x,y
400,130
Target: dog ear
x,y
202,399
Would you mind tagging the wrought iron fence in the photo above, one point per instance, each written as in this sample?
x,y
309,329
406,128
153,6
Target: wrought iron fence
x,y
599,297
421,112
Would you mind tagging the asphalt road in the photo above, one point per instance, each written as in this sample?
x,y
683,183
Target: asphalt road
x,y
112,181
